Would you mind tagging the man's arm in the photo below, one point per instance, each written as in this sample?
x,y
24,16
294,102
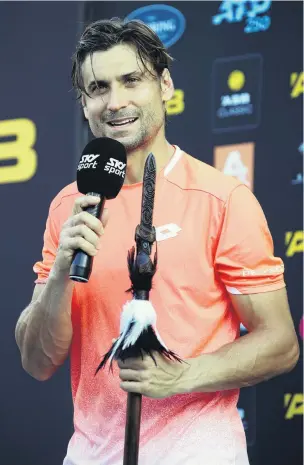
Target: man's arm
x,y
44,329
269,349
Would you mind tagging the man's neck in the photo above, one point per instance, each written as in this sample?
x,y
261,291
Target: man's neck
x,y
162,152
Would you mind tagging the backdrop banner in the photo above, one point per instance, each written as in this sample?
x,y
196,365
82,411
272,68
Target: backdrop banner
x,y
37,153
238,75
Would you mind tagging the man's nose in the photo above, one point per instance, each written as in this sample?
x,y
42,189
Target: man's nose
x,y
117,99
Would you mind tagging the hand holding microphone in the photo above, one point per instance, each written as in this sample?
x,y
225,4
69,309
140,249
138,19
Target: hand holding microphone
x,y
100,175
82,231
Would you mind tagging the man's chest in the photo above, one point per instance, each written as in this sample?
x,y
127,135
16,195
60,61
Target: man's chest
x,y
185,241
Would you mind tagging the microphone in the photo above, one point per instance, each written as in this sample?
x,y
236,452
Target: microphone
x,y
101,172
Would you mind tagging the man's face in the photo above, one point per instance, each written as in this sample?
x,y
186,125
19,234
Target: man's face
x,y
128,104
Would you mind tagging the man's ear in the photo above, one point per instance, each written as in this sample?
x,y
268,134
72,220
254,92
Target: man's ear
x,y
84,106
167,86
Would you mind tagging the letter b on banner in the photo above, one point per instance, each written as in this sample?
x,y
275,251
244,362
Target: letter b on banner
x,y
19,150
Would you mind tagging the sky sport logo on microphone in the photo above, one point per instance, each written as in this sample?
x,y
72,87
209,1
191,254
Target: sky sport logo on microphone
x,y
88,161
115,166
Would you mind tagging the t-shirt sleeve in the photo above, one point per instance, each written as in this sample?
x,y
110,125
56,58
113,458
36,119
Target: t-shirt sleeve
x,y
50,244
245,257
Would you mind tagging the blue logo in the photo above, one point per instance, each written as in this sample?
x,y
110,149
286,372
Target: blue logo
x,y
167,22
235,11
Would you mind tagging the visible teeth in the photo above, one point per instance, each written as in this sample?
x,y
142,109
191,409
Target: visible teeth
x,y
121,123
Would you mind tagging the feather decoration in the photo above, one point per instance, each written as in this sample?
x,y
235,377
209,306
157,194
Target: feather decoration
x,y
138,332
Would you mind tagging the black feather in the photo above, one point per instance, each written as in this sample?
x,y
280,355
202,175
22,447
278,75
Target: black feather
x,y
147,343
141,271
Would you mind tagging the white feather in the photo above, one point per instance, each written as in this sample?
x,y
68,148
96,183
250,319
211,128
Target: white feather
x,y
143,315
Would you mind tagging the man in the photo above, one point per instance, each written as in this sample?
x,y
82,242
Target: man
x,y
216,269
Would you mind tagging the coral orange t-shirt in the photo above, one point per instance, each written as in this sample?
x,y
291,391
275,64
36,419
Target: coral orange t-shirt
x,y
212,240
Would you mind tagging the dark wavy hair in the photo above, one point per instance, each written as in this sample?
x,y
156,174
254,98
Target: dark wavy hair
x,y
104,34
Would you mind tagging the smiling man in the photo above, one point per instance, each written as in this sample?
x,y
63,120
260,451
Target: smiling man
x,y
134,125
124,94
216,270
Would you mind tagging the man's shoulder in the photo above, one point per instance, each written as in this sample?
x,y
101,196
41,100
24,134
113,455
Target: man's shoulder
x,y
65,198
194,174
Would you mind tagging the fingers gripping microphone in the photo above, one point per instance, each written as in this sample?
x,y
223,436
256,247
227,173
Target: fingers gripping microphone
x,y
101,172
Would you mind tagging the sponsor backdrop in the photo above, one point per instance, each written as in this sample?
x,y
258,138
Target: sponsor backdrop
x,y
37,147
238,75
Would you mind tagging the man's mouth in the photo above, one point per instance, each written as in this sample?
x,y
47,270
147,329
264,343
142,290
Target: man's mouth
x,y
121,122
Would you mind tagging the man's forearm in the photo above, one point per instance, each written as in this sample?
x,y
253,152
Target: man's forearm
x,y
249,360
44,330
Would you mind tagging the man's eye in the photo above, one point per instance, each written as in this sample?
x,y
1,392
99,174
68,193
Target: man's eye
x,y
132,80
98,89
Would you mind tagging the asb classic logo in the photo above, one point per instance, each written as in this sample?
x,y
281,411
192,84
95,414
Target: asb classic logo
x,y
236,91
166,21
250,11
236,160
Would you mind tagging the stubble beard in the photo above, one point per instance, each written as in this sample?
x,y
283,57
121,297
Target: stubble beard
x,y
147,130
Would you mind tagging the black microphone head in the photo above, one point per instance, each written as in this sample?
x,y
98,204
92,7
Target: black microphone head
x,y
102,167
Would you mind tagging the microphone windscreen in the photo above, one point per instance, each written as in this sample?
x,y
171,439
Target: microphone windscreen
x,y
102,167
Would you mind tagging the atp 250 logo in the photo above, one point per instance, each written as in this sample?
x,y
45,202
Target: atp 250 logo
x,y
18,158
235,11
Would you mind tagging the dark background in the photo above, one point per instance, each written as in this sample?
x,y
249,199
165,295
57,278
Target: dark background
x,y
37,40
